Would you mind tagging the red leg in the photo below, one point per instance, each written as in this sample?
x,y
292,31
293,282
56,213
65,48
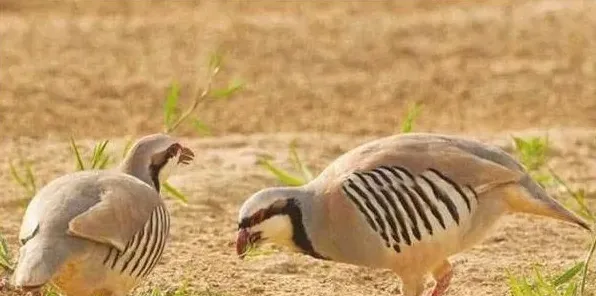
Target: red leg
x,y
3,283
442,276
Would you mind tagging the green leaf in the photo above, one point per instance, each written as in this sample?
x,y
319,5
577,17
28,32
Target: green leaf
x,y
408,124
126,148
569,274
5,257
174,192
201,127
79,159
15,175
104,163
571,290
532,151
298,164
282,175
31,185
232,88
171,105
578,196
99,159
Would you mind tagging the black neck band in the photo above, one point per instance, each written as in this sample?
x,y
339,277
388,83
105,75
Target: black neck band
x,y
300,237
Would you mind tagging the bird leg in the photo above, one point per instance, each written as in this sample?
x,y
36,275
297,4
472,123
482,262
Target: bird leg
x,y
442,276
412,286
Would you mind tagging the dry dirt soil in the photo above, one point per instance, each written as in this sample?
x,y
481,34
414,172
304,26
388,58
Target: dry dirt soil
x,y
330,74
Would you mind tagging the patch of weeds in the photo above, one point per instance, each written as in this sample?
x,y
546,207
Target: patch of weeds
x,y
6,263
538,285
97,161
533,152
301,176
255,251
182,290
51,290
407,125
24,177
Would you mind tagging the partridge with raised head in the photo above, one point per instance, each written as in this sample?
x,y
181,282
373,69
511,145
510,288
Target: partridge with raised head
x,y
405,203
99,232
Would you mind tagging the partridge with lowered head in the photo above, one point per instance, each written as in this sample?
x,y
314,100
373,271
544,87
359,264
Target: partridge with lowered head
x,y
405,203
99,232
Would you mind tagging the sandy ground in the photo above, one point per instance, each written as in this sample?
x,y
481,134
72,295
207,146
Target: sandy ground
x,y
331,75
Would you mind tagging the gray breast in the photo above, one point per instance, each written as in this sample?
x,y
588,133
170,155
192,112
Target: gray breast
x,y
144,250
403,208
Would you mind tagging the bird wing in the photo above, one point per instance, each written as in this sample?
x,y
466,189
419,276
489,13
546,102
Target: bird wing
x,y
408,185
125,205
405,194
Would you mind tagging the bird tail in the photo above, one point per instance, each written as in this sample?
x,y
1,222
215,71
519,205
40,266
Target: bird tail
x,y
536,201
36,265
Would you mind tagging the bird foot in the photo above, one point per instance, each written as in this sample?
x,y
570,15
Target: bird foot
x,y
3,284
442,284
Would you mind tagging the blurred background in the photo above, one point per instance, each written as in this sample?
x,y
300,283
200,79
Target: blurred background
x,y
326,75
102,68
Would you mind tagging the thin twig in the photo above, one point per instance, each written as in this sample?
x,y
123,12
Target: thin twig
x,y
198,98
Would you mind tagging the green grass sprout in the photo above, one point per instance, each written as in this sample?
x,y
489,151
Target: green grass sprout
x,y
6,262
98,160
533,153
303,175
234,86
170,107
24,177
174,192
80,166
538,285
407,125
201,128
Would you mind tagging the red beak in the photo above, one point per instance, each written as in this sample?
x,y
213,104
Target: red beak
x,y
242,242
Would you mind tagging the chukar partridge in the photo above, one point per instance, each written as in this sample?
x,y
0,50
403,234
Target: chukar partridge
x,y
99,232
405,203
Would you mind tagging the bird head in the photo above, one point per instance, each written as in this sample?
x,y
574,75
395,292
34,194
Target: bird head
x,y
268,216
147,157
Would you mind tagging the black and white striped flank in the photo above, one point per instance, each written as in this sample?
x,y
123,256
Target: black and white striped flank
x,y
403,208
144,250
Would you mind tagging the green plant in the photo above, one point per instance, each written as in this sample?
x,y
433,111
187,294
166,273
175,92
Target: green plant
x,y
288,178
538,285
408,124
98,160
174,192
182,290
173,118
6,262
533,152
25,178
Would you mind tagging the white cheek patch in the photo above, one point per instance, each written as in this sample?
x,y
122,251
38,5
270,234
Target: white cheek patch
x,y
277,229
